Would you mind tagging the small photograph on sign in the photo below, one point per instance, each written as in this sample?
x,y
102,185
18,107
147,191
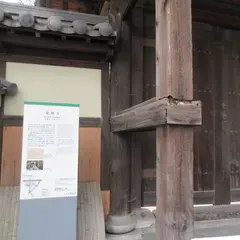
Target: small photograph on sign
x,y
34,165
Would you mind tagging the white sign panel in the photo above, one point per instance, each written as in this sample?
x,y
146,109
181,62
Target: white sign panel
x,y
50,150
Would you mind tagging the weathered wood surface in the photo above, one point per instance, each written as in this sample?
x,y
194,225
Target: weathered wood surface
x,y
2,100
9,208
136,98
120,150
174,77
91,223
105,132
153,113
224,104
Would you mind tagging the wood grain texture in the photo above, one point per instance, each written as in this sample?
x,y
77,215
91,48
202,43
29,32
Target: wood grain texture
x,y
90,212
174,183
176,49
136,98
120,143
174,77
2,101
105,133
185,113
89,155
147,116
106,203
222,164
144,117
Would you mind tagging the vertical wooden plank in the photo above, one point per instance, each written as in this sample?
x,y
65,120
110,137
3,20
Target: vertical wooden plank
x,y
174,144
2,75
222,168
105,137
136,97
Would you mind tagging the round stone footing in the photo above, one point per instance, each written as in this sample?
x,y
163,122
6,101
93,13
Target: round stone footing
x,y
120,224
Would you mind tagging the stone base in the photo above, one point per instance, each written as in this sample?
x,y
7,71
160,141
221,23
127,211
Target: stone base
x,y
120,224
134,235
144,218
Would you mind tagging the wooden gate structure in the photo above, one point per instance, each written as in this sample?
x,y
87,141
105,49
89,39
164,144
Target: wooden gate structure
x,y
155,135
169,122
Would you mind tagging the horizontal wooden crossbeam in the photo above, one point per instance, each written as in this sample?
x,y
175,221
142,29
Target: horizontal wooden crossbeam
x,y
155,112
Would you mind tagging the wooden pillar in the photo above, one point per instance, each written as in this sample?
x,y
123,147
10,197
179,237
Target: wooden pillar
x,y
119,220
2,75
105,132
222,145
136,98
174,143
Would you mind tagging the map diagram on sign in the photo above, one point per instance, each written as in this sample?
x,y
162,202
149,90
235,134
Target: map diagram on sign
x,y
31,185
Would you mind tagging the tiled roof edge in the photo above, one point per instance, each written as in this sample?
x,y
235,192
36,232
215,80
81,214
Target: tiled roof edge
x,y
45,19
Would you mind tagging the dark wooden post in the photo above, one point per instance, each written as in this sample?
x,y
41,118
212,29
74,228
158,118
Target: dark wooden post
x,y
136,97
174,143
222,162
119,220
3,76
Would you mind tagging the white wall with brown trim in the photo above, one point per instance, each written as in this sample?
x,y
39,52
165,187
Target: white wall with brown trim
x,y
54,84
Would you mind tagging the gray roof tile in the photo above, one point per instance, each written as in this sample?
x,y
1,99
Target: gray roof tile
x,y
44,19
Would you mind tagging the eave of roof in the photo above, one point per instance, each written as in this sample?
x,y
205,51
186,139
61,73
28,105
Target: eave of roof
x,y
53,20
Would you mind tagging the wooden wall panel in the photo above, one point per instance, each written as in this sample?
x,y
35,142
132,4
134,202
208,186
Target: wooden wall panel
x,y
11,156
204,74
89,157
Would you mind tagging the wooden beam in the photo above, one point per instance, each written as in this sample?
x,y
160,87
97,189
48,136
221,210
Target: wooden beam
x,y
105,8
52,44
174,144
153,113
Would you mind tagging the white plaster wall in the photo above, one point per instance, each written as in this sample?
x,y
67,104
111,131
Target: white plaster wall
x,y
54,84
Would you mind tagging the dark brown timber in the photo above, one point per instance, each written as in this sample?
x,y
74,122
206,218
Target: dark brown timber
x,y
223,123
2,75
174,143
105,133
120,150
136,98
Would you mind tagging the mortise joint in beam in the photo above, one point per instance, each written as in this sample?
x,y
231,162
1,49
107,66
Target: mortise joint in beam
x,y
156,112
